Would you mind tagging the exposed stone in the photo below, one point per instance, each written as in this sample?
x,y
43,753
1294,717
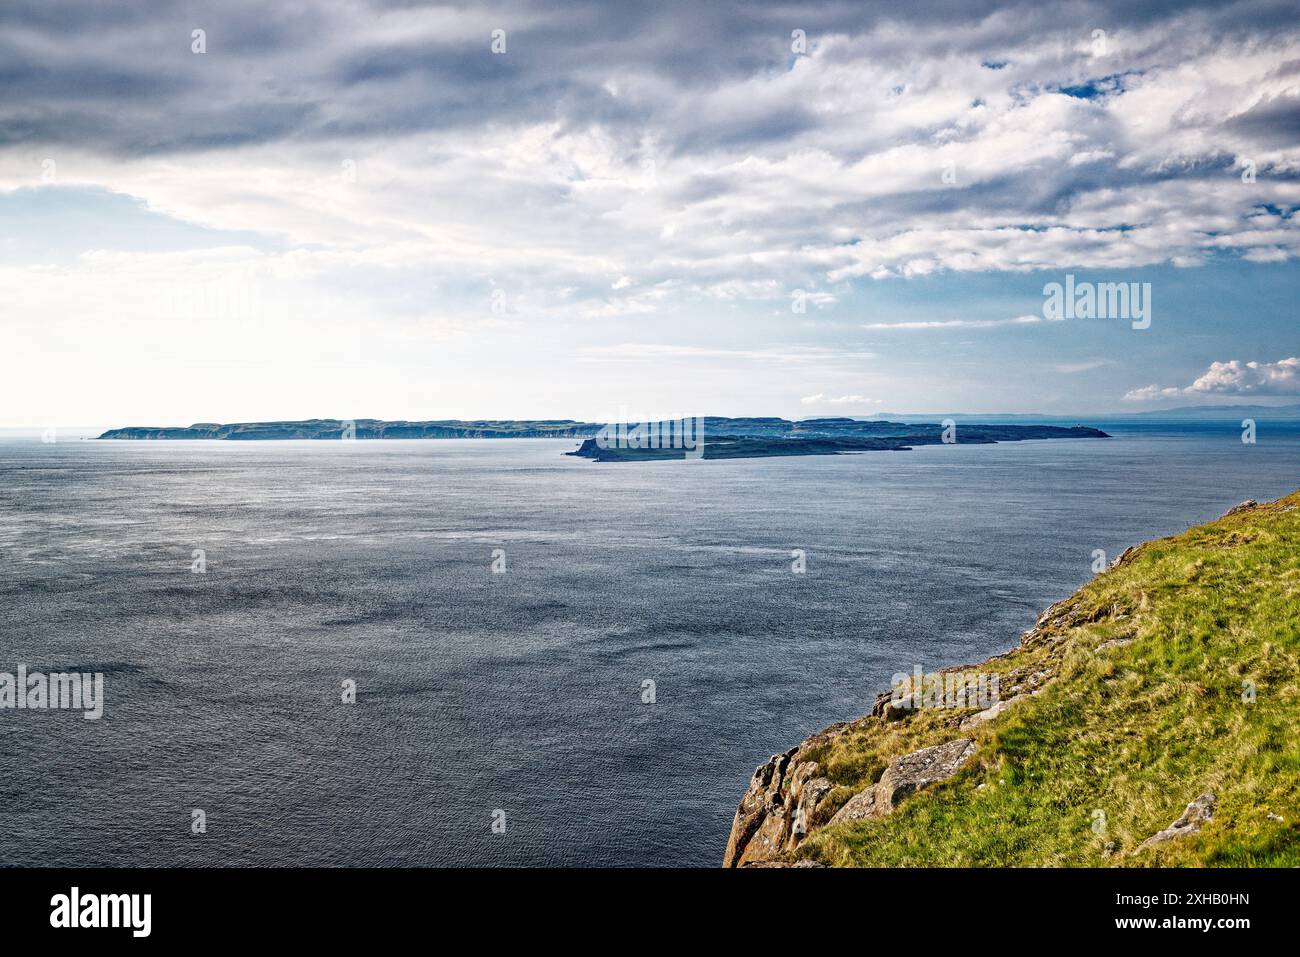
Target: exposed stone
x,y
921,768
776,812
1197,813
1245,506
905,775
1126,556
881,703
861,805
1114,643
800,864
979,717
760,801
904,707
810,791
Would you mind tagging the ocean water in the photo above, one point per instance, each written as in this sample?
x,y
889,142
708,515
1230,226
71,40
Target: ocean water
x,y
520,691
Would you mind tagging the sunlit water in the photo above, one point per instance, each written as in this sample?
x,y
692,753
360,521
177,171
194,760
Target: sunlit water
x,y
520,691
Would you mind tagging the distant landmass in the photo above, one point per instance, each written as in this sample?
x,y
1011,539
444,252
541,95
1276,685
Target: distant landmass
x,y
1231,412
821,437
1182,413
723,438
366,429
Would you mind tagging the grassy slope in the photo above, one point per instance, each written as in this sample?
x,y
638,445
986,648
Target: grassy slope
x,y
1135,731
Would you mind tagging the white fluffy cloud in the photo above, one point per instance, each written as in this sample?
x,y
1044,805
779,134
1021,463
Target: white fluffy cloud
x,y
1234,378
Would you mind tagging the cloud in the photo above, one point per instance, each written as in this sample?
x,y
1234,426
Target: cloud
x,y
1027,320
620,145
1087,365
823,399
1149,392
654,352
622,169
1251,378
1233,378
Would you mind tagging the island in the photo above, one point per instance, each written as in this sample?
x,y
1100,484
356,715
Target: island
x,y
711,437
731,439
365,429
1148,719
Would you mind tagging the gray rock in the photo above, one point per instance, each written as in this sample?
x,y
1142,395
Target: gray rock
x,y
905,775
782,794
861,805
921,769
810,791
988,714
1114,643
1197,813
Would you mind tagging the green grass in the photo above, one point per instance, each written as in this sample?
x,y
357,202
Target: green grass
x,y
1134,732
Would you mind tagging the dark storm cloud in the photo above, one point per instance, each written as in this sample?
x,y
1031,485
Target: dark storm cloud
x,y
1274,121
675,145
120,77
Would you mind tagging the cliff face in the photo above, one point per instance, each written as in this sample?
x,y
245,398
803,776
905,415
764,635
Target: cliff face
x,y
790,796
1140,696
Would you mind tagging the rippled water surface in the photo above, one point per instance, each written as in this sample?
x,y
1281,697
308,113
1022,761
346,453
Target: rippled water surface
x,y
521,691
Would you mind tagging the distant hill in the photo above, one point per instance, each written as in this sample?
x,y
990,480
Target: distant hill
x,y
847,436
364,429
750,437
1186,413
1234,412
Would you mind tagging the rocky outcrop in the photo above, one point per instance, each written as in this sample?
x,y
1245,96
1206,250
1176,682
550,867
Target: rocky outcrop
x,y
778,808
1245,506
789,797
1197,813
1080,682
907,774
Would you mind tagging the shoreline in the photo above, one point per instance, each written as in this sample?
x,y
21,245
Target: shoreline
x,y
920,779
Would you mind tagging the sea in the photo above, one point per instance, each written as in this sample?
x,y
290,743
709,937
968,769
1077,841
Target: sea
x,y
489,653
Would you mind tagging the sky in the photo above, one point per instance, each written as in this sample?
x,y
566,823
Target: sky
x,y
254,211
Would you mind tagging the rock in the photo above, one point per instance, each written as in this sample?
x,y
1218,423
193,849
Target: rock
x,y
776,812
1245,506
988,714
920,769
802,864
1126,556
904,707
881,703
1114,643
861,805
892,706
810,791
1197,813
761,800
905,775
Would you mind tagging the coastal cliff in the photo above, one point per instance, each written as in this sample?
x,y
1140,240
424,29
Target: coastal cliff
x,y
1147,719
